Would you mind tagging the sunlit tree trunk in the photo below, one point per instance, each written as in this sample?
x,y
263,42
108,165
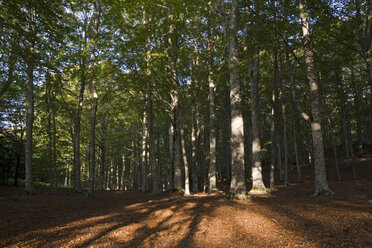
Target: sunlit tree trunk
x,y
212,116
320,179
237,185
273,145
150,125
92,145
171,157
183,147
258,187
194,124
176,110
143,159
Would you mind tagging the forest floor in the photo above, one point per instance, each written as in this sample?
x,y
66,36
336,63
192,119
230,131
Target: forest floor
x,y
289,217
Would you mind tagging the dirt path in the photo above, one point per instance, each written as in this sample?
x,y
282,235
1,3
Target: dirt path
x,y
288,218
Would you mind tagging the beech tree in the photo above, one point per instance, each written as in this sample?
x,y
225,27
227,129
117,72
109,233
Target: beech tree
x,y
184,96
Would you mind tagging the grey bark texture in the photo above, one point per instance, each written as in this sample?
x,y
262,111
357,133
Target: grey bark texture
x,y
237,186
320,179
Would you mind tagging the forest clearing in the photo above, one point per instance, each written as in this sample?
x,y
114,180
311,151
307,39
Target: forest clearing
x,y
289,217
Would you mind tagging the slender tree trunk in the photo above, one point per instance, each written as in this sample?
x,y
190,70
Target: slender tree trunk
x,y
212,116
49,129
258,187
54,142
29,186
171,158
237,186
92,145
183,147
16,173
273,122
143,159
356,96
284,123
273,145
195,184
77,127
175,107
339,178
150,128
194,127
294,115
320,179
102,162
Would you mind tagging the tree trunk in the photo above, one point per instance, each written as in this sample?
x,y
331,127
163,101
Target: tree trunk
x,y
171,158
273,145
356,96
184,155
144,153
49,129
339,178
102,162
294,115
212,116
284,123
258,187
77,127
29,186
194,124
92,146
175,108
237,186
320,179
273,122
54,141
150,128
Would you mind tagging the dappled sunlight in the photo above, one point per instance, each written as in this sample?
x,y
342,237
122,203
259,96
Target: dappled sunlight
x,y
201,220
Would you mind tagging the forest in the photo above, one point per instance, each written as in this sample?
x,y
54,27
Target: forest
x,y
175,113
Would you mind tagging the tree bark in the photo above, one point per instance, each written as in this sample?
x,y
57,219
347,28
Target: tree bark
x,y
294,115
212,116
171,157
320,179
273,128
77,126
143,160
237,185
92,145
284,123
339,178
102,162
258,187
29,186
150,125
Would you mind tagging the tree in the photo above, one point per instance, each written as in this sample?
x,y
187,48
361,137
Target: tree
x,y
320,179
237,186
92,147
